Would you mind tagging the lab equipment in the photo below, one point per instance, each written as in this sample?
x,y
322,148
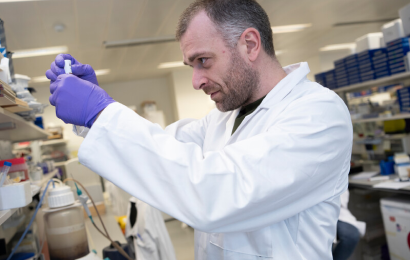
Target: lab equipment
x,y
67,67
396,220
387,167
83,71
112,253
18,168
4,171
89,179
31,221
15,195
78,130
64,225
199,169
402,166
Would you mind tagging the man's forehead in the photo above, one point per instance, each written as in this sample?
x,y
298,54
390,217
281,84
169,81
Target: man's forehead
x,y
200,36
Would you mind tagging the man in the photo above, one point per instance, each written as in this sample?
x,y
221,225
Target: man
x,y
259,177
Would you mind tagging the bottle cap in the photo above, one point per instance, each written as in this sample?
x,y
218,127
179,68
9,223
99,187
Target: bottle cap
x,y
60,196
7,164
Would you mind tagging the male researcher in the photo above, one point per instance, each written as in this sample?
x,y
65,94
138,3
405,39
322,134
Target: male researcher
x,y
259,177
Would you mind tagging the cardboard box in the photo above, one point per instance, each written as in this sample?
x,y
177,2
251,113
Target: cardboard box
x,y
369,41
392,31
404,13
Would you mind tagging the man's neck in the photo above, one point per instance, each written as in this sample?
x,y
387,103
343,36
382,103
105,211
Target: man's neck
x,y
270,74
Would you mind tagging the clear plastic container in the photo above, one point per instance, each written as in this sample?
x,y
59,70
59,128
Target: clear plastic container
x,y
64,225
66,234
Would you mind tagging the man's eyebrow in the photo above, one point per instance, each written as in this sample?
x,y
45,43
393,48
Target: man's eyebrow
x,y
195,55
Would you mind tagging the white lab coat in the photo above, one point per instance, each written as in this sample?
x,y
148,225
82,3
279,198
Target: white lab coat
x,y
346,215
269,191
151,238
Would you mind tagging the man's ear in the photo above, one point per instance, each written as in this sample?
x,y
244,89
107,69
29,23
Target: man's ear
x,y
250,42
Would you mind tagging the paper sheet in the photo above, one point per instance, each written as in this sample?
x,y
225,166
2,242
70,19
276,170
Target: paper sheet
x,y
395,185
364,175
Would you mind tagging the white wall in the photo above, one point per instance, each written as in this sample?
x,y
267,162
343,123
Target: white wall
x,y
190,103
127,93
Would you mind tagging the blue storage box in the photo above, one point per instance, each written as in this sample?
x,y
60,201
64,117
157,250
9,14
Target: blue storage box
x,y
320,78
2,35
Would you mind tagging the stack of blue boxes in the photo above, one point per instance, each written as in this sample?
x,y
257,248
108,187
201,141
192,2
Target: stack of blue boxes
x,y
352,68
3,45
342,79
373,64
327,79
320,78
403,96
396,50
330,79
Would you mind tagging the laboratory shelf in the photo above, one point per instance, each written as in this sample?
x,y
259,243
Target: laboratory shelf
x,y
377,119
5,214
23,131
374,83
54,142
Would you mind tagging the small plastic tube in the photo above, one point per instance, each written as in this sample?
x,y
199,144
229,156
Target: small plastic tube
x,y
67,67
4,172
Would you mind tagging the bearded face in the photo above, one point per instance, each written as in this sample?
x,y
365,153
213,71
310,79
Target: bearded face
x,y
239,83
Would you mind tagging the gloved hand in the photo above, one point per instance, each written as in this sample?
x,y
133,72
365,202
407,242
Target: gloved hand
x,y
77,101
83,71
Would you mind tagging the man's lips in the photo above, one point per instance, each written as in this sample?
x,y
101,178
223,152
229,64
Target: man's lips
x,y
214,93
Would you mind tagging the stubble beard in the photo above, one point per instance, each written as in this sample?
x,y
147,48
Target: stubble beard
x,y
241,83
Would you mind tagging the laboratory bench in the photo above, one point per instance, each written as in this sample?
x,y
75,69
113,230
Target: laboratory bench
x,y
95,240
366,184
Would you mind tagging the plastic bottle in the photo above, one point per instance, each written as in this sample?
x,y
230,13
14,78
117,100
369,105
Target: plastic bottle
x,y
64,225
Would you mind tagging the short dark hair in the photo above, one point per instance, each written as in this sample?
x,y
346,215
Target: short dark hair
x,y
232,18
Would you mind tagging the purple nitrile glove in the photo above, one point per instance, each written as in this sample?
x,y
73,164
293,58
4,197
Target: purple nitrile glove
x,y
77,101
83,71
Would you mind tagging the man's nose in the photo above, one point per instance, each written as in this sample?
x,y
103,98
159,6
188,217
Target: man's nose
x,y
198,80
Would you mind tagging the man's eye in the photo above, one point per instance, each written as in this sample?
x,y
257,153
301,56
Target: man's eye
x,y
203,60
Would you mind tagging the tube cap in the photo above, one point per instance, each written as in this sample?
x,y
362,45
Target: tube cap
x,y
7,164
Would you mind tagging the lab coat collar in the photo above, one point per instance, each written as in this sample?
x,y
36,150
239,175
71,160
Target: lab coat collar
x,y
296,72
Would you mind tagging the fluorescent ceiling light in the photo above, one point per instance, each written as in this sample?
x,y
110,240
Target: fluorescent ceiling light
x,y
39,79
172,64
102,72
290,28
341,46
137,42
45,79
8,1
279,52
39,52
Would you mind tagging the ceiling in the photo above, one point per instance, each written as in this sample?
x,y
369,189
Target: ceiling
x,y
91,22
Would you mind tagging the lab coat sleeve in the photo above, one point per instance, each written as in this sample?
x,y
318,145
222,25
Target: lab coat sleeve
x,y
301,160
189,130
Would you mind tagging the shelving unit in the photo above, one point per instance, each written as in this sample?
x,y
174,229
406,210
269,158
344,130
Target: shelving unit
x,y
374,83
54,142
378,119
23,131
5,214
